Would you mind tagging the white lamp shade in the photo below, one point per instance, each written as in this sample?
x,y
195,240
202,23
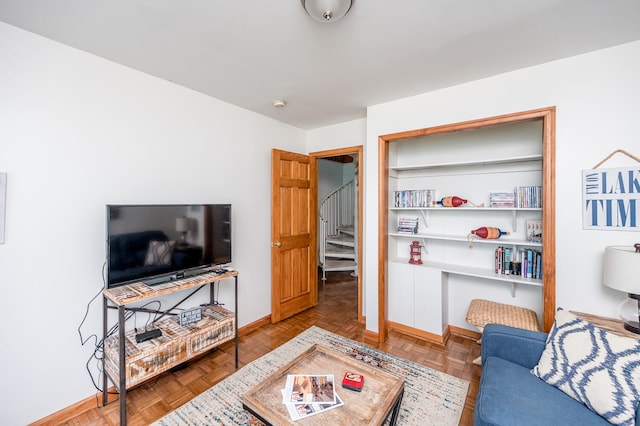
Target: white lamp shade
x,y
182,224
621,269
327,10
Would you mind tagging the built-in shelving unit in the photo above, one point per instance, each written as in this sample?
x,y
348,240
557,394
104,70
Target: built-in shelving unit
x,y
494,154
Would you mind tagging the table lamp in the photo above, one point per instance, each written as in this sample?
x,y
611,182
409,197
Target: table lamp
x,y
621,271
182,226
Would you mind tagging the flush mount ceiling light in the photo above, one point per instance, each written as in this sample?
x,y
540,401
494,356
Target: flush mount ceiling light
x,y
327,10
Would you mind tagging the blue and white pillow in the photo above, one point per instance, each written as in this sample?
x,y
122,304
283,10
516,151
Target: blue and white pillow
x,y
595,367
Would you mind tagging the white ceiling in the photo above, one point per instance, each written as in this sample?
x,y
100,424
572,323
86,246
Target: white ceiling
x,y
251,52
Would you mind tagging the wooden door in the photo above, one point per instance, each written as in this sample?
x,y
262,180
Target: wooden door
x,y
294,206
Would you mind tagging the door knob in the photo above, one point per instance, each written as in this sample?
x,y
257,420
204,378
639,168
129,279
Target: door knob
x,y
277,244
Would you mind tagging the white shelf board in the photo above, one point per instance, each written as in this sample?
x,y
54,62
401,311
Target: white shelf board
x,y
474,272
484,209
459,238
519,159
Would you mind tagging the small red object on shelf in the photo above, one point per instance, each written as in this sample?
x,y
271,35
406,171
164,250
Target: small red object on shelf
x,y
489,232
416,253
452,201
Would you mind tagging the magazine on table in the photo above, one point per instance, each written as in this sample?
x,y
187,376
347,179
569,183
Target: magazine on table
x,y
309,388
301,411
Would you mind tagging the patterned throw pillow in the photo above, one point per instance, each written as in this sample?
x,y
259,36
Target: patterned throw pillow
x,y
593,366
159,253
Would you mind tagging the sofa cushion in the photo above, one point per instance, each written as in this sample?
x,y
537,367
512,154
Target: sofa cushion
x,y
159,253
593,366
510,395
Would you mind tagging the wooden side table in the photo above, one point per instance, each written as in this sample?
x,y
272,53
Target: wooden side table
x,y
613,325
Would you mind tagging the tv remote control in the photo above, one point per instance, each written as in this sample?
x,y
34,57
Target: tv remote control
x,y
148,335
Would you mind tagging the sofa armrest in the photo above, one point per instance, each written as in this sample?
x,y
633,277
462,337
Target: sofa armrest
x,y
523,347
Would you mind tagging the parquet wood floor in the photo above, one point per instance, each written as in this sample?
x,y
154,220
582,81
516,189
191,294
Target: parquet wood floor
x,y
336,312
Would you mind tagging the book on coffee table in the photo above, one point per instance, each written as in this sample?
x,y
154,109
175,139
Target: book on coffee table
x,y
301,411
306,388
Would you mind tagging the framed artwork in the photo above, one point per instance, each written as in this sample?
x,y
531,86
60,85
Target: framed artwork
x,y
3,204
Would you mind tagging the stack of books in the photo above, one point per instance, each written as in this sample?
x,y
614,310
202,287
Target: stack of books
x,y
502,199
307,394
408,225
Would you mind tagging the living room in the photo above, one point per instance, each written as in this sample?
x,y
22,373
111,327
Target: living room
x,y
80,132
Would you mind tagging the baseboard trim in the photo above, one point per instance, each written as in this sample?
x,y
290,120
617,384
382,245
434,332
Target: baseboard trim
x,y
249,328
371,337
459,331
421,334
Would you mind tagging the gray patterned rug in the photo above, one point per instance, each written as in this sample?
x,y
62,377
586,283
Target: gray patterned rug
x,y
430,397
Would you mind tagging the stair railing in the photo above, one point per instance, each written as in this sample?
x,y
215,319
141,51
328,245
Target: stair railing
x,y
336,210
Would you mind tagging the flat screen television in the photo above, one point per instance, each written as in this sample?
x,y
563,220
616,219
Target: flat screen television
x,y
158,243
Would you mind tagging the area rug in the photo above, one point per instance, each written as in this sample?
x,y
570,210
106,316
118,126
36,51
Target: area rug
x,y
430,397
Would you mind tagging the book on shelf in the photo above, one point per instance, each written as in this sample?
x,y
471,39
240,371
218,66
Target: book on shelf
x,y
534,230
408,225
503,258
531,261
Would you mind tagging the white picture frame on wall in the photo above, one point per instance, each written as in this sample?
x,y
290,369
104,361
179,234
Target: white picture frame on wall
x,y
3,204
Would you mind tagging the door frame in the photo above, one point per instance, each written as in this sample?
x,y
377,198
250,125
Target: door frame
x,y
353,150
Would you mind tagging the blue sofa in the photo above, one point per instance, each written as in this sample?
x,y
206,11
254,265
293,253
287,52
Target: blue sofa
x,y
510,395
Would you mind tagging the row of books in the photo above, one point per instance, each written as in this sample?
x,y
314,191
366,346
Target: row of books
x,y
415,198
526,262
528,197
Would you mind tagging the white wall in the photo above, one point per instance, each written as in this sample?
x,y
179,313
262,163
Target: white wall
x,y
78,132
597,99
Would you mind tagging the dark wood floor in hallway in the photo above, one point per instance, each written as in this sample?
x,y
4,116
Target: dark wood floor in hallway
x,y
336,312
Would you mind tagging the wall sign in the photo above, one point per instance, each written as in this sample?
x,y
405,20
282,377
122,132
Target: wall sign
x,y
611,199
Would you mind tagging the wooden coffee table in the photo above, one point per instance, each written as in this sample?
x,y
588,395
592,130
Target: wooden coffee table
x,y
380,397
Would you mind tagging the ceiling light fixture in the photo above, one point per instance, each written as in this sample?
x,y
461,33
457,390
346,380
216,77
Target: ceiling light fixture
x,y
279,103
327,10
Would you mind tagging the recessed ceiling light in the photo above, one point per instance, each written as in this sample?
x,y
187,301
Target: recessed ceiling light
x,y
279,103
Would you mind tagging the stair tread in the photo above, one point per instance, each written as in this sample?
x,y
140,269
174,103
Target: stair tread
x,y
347,229
339,250
339,265
344,240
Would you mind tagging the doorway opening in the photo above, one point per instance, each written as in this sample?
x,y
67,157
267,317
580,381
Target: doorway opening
x,y
340,220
